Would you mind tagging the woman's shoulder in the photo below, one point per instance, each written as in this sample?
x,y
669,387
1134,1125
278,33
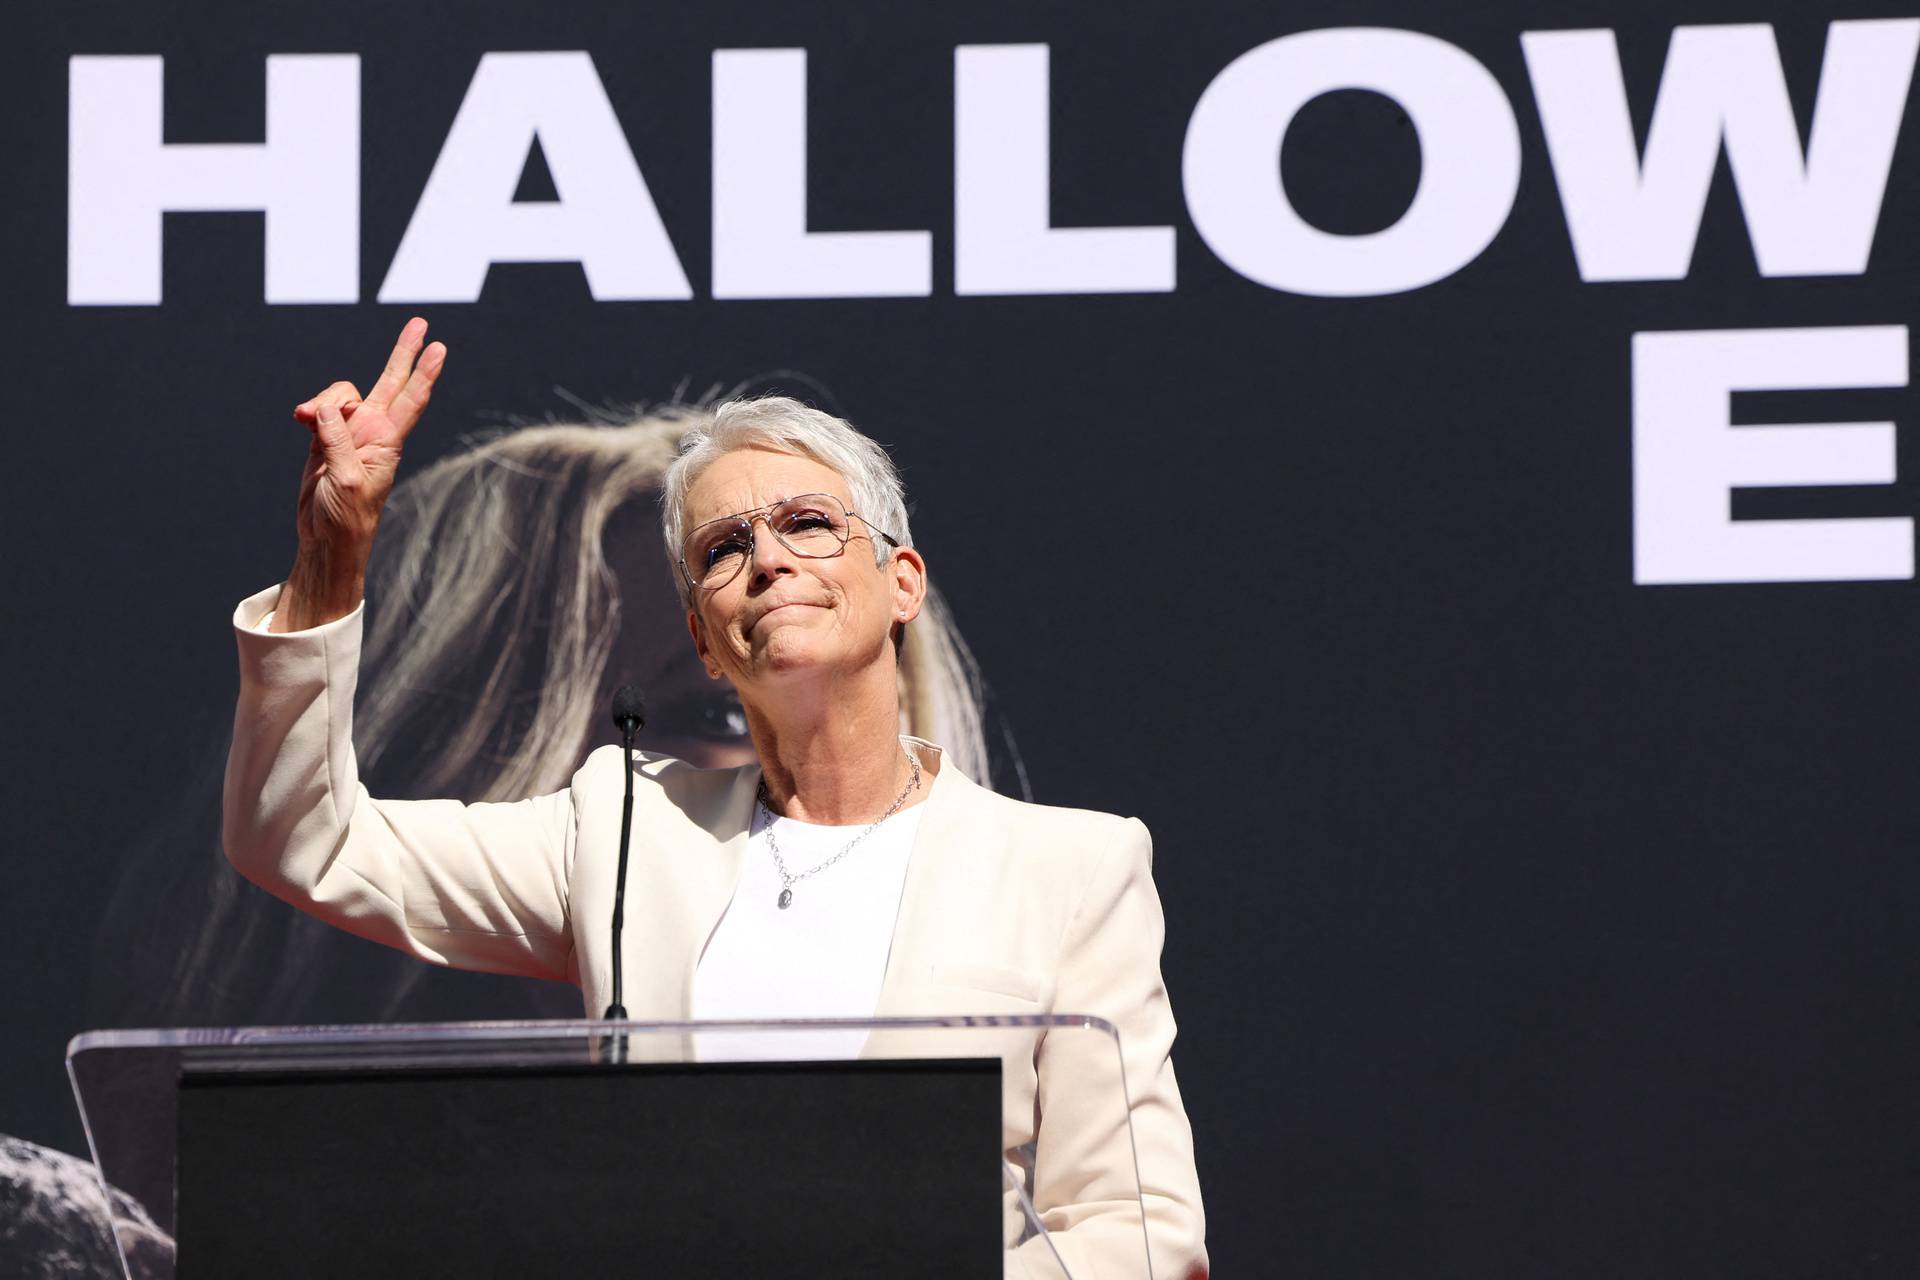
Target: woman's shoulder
x,y
1089,832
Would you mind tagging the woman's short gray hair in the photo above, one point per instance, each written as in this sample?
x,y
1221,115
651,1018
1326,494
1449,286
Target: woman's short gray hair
x,y
785,425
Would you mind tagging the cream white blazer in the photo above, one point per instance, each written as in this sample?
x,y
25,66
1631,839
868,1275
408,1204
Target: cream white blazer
x,y
1008,908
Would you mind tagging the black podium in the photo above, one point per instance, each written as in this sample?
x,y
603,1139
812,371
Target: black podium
x,y
795,1148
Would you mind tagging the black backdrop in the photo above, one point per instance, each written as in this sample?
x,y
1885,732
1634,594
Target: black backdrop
x,y
1522,919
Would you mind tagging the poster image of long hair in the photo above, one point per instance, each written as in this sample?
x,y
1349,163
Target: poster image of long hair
x,y
514,586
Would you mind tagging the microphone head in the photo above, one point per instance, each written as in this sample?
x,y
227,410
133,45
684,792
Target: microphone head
x,y
629,708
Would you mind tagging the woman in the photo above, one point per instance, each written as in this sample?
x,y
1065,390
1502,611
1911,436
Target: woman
x,y
857,859
513,589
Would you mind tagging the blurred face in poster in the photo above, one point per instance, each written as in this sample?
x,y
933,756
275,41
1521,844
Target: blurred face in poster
x,y
689,714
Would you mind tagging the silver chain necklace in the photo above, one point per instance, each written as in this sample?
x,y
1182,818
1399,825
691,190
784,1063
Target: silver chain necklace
x,y
787,878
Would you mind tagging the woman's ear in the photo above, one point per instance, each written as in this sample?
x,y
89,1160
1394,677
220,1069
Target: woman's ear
x,y
699,635
909,581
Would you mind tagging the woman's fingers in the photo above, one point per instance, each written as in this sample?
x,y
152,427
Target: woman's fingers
x,y
400,363
400,394
340,395
311,416
411,402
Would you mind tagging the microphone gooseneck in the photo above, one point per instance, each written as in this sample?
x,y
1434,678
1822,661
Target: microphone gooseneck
x,y
629,715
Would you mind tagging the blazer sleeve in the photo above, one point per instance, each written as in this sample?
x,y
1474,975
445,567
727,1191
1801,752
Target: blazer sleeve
x,y
480,886
1083,1165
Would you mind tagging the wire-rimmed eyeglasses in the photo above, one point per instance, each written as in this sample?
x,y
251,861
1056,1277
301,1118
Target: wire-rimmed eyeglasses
x,y
814,526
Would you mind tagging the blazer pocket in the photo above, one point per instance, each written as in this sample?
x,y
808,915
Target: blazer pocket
x,y
981,977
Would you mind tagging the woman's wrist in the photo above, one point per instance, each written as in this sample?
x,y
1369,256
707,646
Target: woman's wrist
x,y
325,584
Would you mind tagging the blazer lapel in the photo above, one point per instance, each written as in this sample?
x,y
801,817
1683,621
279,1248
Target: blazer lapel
x,y
940,852
709,871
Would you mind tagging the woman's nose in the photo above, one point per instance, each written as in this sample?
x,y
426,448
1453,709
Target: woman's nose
x,y
771,556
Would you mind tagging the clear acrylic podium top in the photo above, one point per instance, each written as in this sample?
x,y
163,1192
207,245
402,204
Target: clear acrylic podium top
x,y
127,1085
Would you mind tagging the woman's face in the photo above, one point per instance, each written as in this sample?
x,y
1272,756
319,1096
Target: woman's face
x,y
688,716
784,616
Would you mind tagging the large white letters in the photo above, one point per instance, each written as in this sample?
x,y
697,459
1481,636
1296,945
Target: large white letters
x,y
761,245
1469,172
1003,238
1687,458
467,218
1811,214
121,177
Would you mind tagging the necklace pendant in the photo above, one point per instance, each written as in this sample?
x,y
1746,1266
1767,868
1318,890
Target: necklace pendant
x,y
786,899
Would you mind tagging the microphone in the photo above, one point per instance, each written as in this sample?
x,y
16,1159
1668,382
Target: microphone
x,y
629,715
629,709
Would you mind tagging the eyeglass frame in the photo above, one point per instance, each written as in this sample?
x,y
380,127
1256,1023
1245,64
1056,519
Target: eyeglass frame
x,y
761,515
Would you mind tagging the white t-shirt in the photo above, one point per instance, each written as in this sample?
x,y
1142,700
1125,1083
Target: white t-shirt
x,y
825,956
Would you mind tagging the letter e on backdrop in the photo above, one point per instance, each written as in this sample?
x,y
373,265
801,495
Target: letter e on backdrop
x,y
1688,456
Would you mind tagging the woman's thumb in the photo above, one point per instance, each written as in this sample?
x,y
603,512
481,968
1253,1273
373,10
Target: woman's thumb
x,y
331,430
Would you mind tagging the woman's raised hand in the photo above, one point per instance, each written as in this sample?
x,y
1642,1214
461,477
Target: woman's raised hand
x,y
350,468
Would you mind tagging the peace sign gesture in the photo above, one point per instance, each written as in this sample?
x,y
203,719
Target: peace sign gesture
x,y
351,463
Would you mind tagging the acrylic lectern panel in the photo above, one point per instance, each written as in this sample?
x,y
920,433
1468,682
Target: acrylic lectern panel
x,y
130,1086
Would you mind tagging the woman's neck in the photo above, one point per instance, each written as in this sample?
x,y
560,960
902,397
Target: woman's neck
x,y
831,753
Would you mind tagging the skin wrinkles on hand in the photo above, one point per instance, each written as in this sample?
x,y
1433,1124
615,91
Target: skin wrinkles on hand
x,y
351,463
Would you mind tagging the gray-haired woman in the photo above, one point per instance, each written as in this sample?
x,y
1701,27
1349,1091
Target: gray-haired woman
x,y
515,586
848,871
